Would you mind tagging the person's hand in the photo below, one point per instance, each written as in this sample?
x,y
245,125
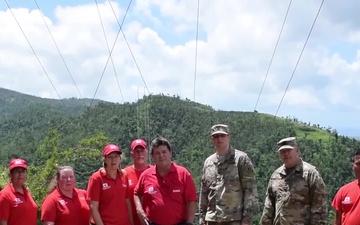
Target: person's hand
x,y
144,220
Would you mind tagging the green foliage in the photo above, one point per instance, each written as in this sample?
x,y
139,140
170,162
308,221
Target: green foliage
x,y
4,179
46,137
42,172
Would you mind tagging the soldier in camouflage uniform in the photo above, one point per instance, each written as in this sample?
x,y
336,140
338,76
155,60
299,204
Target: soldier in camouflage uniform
x,y
296,193
228,187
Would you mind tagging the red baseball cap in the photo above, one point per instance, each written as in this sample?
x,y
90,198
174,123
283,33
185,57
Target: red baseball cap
x,y
17,163
138,142
110,148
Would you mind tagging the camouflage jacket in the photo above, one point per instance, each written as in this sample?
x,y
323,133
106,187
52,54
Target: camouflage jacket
x,y
295,198
228,189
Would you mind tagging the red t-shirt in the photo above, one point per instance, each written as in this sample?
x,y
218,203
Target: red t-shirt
x,y
63,210
133,177
17,208
111,195
347,201
164,199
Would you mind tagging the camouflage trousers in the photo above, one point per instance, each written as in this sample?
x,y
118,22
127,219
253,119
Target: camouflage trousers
x,y
223,223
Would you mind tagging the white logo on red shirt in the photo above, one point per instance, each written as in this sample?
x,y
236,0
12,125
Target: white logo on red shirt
x,y
17,201
62,202
346,201
151,190
105,186
130,182
176,191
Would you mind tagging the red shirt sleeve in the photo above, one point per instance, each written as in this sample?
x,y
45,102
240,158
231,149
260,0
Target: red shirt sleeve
x,y
5,207
139,188
48,209
336,203
128,190
190,189
94,188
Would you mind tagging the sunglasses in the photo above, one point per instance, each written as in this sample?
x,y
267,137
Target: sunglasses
x,y
219,135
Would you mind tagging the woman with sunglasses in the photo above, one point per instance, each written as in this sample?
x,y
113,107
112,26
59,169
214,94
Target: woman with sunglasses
x,y
17,207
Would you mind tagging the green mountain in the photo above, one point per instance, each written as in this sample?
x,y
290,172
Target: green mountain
x,y
12,102
45,136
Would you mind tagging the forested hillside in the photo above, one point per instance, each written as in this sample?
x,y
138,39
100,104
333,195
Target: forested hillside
x,y
45,137
11,102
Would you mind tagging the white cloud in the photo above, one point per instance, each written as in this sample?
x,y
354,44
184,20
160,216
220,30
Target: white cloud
x,y
354,37
237,40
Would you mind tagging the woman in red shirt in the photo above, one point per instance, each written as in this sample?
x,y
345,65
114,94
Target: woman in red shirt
x,y
17,207
65,204
108,191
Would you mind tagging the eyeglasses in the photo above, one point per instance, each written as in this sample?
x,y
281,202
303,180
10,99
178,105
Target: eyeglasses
x,y
219,135
67,177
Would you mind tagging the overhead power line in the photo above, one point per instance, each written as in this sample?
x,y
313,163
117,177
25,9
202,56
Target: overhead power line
x,y
112,49
196,45
273,54
302,51
128,45
108,47
57,47
32,49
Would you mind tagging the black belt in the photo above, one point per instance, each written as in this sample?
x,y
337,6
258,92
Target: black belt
x,y
180,223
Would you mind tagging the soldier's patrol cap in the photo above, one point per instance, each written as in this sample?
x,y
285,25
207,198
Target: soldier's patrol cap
x,y
220,129
287,143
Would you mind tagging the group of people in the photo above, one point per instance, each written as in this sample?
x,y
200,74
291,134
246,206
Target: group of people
x,y
165,193
296,193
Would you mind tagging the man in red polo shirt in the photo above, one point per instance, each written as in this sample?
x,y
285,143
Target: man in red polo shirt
x,y
165,193
139,154
347,200
17,207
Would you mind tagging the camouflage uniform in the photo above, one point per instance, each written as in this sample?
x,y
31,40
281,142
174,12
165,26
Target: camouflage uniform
x,y
295,197
228,189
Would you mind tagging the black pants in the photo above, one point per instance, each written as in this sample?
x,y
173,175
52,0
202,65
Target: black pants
x,y
151,223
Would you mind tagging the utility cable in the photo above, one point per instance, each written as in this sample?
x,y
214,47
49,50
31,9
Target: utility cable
x,y
108,47
32,49
273,54
196,46
57,47
112,49
297,63
128,45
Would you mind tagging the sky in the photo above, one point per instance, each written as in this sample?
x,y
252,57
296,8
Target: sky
x,y
236,40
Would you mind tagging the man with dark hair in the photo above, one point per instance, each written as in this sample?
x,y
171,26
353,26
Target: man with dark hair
x,y
296,193
165,193
347,200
